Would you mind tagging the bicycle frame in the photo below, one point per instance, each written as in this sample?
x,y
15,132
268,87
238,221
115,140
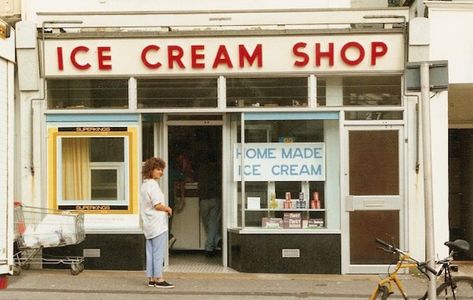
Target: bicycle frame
x,y
447,273
392,280
387,285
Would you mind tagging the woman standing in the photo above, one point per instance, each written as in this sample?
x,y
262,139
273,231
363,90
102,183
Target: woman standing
x,y
154,213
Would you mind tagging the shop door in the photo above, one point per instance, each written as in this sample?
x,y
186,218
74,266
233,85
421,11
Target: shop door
x,y
373,196
194,148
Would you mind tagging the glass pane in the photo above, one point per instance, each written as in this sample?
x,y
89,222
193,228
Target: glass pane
x,y
147,140
104,184
173,93
267,92
194,117
365,226
379,90
374,162
284,131
87,93
91,168
373,115
283,187
100,150
359,91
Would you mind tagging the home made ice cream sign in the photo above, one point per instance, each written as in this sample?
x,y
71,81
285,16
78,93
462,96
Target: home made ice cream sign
x,y
279,162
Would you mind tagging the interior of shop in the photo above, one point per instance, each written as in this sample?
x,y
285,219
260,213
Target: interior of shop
x,y
195,193
461,187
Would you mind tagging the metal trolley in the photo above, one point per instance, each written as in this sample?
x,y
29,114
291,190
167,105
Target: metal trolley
x,y
37,228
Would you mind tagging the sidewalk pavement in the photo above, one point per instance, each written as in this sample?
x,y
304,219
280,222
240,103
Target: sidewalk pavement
x,y
118,285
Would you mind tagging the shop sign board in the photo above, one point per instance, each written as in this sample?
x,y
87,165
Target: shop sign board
x,y
280,162
224,55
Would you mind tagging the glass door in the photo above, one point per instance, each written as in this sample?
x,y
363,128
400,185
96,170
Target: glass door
x,y
373,196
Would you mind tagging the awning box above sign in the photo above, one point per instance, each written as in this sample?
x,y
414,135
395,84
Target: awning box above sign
x,y
225,55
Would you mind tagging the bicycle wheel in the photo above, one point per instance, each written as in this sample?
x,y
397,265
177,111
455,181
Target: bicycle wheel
x,y
463,287
383,293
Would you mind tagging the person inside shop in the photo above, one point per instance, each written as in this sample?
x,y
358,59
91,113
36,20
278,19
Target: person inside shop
x,y
210,203
180,172
154,214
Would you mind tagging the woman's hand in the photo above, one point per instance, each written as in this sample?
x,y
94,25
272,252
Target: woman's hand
x,y
164,208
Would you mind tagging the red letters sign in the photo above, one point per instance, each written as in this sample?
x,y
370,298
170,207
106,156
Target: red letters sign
x,y
104,58
175,56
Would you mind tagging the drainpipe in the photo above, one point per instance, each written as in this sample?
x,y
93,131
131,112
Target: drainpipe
x,y
29,87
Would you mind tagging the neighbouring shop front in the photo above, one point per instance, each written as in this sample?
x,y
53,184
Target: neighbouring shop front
x,y
7,87
306,130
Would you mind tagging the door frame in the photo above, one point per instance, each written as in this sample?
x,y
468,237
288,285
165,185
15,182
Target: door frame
x,y
377,202
161,146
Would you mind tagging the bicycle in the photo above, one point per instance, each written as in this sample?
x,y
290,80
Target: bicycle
x,y
459,287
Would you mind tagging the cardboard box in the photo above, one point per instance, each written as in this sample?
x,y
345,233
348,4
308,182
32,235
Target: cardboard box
x,y
315,223
292,220
271,222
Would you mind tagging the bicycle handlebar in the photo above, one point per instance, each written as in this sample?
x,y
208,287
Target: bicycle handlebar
x,y
392,249
383,243
427,267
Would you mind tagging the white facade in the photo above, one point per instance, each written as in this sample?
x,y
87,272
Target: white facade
x,y
7,87
123,19
451,29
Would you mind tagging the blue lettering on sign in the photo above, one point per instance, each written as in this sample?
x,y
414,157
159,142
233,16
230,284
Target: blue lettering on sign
x,y
238,153
258,153
253,170
286,153
292,153
296,170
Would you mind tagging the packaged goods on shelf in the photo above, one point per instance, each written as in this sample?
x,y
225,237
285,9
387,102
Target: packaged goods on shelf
x,y
271,222
292,220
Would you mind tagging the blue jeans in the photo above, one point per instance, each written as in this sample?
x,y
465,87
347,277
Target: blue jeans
x,y
155,248
211,213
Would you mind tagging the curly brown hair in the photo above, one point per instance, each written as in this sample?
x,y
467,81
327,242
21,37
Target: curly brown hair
x,y
151,164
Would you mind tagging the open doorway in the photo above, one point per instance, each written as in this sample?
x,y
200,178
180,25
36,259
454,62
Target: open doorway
x,y
461,187
195,194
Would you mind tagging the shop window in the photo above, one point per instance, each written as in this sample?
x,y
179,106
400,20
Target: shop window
x,y
92,171
87,93
284,174
267,92
177,93
359,91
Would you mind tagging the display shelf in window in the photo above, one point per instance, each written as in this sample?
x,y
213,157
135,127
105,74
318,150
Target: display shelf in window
x,y
284,209
303,213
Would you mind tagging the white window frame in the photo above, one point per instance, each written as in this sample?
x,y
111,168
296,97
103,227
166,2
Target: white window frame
x,y
118,167
124,200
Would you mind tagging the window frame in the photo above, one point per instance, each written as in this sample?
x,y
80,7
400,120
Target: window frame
x,y
125,201
130,169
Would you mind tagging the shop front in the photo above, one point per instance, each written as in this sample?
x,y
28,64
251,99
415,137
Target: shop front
x,y
302,132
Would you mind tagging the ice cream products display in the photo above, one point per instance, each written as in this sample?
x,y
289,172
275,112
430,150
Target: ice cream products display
x,y
273,204
315,203
287,201
301,201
